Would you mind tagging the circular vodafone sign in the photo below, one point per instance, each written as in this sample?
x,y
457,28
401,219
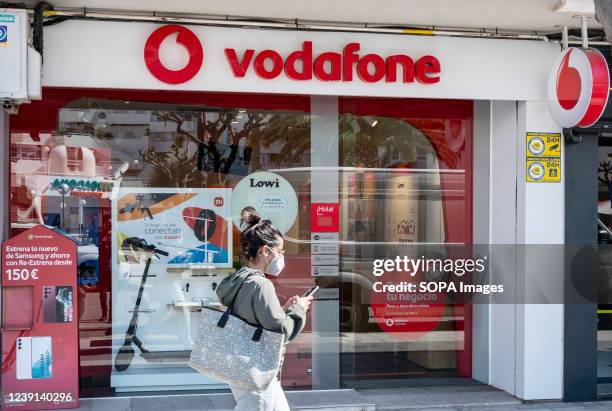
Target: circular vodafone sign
x,y
185,38
578,87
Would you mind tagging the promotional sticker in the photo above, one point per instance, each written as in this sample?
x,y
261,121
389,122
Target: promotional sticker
x,y
270,194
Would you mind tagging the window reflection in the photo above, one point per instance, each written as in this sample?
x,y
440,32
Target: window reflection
x,y
399,181
404,180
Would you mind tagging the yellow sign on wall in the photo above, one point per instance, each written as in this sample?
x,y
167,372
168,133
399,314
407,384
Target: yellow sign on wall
x,y
543,145
543,158
543,170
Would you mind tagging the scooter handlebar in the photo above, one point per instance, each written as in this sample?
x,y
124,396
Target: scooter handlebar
x,y
140,244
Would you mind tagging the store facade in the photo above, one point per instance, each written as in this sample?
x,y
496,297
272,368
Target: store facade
x,y
355,144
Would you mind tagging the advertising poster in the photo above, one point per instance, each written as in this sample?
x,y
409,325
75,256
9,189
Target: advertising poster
x,y
271,195
40,364
192,225
162,239
401,219
406,315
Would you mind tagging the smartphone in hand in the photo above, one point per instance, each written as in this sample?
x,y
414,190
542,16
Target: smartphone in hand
x,y
311,291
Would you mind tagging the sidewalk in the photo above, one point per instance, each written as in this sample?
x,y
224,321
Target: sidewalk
x,y
443,395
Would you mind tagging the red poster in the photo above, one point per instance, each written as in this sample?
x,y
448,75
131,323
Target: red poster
x,y
39,324
403,314
325,217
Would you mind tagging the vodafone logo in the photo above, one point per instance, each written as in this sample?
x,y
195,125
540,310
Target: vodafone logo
x,y
303,64
578,87
334,65
185,38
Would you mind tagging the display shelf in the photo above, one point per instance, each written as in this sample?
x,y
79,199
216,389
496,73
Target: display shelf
x,y
196,303
160,356
205,270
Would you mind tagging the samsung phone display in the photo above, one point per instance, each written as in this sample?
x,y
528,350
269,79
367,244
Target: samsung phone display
x,y
39,335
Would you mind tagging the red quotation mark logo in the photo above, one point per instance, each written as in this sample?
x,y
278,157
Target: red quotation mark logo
x,y
569,85
187,39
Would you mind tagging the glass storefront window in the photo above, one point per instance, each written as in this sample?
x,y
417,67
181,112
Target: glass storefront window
x,y
176,171
405,184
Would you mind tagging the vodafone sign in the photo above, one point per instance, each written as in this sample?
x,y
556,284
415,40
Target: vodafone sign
x,y
578,87
194,58
185,38
299,65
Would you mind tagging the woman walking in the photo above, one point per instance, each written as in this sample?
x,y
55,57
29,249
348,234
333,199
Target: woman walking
x,y
255,301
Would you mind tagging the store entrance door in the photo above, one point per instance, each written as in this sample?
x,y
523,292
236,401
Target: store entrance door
x,y
405,183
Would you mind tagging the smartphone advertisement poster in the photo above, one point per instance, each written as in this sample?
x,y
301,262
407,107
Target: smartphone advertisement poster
x,y
40,330
192,225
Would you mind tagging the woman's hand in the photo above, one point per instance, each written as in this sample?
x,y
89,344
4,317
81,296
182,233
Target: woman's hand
x,y
302,301
290,302
305,302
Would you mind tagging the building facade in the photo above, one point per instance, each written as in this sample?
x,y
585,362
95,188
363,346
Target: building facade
x,y
358,145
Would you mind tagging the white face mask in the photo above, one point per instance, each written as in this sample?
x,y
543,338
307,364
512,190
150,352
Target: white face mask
x,y
276,265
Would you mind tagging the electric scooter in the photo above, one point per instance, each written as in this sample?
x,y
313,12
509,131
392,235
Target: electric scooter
x,y
126,352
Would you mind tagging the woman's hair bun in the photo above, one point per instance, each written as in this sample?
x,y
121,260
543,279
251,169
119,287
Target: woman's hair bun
x,y
249,216
256,233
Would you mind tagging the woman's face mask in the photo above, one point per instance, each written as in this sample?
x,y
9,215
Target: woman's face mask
x,y
276,264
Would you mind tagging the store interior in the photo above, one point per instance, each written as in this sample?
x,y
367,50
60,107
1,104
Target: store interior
x,y
110,168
